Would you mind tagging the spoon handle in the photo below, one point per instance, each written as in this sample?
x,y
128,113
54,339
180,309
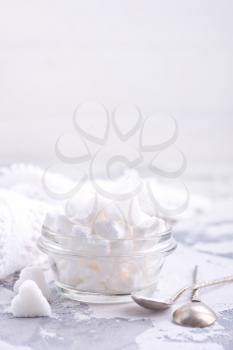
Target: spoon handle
x,y
200,285
214,282
195,291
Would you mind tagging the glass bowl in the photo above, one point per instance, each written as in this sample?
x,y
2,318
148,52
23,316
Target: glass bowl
x,y
105,271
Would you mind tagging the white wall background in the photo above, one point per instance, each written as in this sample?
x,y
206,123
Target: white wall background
x,y
175,56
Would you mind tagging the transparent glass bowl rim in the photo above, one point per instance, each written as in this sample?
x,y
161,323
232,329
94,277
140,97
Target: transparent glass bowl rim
x,y
49,243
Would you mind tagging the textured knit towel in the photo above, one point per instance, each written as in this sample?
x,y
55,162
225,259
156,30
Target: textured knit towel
x,y
23,205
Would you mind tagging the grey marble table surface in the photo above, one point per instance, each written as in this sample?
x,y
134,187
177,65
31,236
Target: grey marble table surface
x,y
207,237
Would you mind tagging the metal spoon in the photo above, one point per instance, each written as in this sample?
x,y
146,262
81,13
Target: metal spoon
x,y
162,303
194,313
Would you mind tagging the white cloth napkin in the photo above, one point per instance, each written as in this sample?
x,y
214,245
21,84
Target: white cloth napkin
x,y
23,205
20,224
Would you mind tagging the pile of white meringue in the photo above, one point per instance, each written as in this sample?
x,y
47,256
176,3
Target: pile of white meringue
x,y
114,247
32,294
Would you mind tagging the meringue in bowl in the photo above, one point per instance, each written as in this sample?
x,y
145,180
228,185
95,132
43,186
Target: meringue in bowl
x,y
107,261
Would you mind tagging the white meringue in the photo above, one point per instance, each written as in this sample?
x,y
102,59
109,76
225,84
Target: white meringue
x,y
35,274
30,302
57,222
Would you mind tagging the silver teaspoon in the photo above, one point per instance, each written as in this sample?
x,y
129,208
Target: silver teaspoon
x,y
194,313
164,303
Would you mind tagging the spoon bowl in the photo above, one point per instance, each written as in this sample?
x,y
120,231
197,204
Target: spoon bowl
x,y
152,303
194,314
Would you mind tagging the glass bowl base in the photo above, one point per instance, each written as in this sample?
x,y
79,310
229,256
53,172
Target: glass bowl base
x,y
93,298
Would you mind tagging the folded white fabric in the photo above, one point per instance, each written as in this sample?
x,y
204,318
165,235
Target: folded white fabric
x,y
26,180
20,225
23,206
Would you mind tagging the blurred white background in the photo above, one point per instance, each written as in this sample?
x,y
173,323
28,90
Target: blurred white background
x,y
170,56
